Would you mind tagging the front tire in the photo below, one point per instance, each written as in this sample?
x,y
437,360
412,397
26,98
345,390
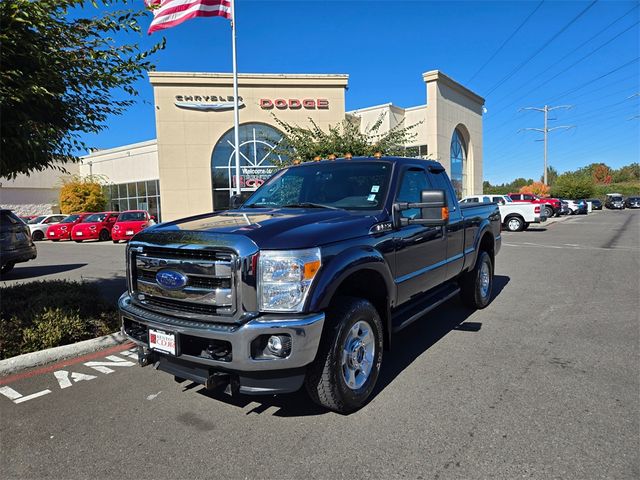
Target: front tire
x,y
477,285
104,235
348,361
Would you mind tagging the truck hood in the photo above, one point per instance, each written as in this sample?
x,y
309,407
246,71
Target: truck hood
x,y
274,229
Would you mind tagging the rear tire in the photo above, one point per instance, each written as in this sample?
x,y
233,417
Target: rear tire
x,y
348,361
476,286
6,268
514,223
37,236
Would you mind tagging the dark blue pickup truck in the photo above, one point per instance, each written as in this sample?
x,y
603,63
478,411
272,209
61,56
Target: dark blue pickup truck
x,y
307,281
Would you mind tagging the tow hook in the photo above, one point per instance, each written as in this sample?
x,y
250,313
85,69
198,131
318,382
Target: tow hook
x,y
145,356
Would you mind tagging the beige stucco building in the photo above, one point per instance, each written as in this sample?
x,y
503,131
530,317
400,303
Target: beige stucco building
x,y
189,168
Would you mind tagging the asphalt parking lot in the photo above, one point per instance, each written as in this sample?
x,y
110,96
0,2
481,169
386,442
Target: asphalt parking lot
x,y
543,383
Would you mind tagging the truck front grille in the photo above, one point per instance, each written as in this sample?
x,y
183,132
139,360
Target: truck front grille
x,y
209,288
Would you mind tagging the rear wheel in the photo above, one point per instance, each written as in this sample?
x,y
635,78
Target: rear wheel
x,y
347,365
37,236
116,241
514,224
104,235
476,286
55,239
7,267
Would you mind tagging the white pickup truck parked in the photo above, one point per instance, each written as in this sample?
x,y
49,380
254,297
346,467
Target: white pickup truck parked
x,y
516,216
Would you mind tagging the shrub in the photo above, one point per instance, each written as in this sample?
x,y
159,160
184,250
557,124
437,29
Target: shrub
x,y
536,188
570,185
47,314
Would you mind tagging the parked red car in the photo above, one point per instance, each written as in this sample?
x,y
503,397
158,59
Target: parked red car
x,y
62,230
96,226
129,223
553,206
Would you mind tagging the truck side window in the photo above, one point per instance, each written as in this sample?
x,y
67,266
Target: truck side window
x,y
486,200
414,181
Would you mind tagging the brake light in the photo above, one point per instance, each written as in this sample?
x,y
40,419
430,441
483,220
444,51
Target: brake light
x,y
537,209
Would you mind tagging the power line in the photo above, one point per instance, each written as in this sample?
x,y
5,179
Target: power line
x,y
546,44
569,92
590,39
506,41
584,57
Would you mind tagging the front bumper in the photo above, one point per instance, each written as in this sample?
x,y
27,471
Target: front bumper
x,y
85,235
119,235
305,332
59,235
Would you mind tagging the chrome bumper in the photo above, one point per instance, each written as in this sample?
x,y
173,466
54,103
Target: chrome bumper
x,y
305,332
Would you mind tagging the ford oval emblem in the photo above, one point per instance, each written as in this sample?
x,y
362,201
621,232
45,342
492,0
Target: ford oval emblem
x,y
171,280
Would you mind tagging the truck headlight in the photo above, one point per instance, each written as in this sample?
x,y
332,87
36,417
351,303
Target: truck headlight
x,y
284,278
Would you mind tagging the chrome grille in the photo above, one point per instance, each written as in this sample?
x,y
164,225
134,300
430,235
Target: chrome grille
x,y
210,287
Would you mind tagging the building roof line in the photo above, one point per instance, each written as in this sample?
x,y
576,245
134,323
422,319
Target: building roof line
x,y
131,146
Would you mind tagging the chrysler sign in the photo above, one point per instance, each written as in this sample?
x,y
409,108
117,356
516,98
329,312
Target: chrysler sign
x,y
294,103
206,103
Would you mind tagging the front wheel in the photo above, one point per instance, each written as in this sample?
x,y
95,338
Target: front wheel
x,y
549,211
347,365
116,241
476,286
78,241
37,236
104,235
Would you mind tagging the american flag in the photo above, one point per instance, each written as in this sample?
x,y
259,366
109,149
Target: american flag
x,y
169,13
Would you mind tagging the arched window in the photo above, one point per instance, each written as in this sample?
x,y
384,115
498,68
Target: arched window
x,y
258,157
458,160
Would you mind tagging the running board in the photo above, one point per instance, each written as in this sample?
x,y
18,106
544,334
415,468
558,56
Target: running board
x,y
442,296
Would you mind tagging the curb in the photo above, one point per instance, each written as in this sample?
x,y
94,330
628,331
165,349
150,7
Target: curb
x,y
35,359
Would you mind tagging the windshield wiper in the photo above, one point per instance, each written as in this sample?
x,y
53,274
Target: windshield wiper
x,y
309,205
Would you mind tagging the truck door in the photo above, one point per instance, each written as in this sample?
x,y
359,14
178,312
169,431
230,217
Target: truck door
x,y
420,251
455,229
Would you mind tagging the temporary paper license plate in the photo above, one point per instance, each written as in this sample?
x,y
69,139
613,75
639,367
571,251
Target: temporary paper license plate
x,y
129,232
163,341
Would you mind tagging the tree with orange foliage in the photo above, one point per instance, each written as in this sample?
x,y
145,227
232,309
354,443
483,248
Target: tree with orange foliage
x,y
601,174
536,188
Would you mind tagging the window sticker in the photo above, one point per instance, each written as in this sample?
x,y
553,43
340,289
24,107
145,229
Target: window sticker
x,y
375,189
371,198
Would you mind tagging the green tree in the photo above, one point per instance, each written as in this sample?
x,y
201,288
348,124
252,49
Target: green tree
x,y
307,143
552,175
573,185
628,173
62,74
82,195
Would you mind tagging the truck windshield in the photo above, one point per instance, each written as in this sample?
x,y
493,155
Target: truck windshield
x,y
350,185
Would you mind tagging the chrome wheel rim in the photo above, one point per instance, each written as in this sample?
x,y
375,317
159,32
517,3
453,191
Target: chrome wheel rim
x,y
485,280
513,224
358,355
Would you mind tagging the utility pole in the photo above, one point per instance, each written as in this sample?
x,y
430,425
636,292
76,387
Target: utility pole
x,y
546,109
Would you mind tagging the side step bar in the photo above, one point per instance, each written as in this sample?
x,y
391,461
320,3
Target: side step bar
x,y
434,300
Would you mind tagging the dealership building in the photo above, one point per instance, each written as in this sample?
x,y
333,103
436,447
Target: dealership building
x,y
190,167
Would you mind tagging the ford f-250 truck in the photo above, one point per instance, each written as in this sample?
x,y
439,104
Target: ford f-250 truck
x,y
306,283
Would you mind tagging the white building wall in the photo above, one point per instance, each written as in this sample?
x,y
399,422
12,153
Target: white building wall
x,y
129,163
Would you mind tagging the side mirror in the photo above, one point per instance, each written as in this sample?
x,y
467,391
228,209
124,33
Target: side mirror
x,y
433,210
235,201
152,217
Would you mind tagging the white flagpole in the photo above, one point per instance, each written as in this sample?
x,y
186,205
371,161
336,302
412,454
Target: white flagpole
x,y
236,112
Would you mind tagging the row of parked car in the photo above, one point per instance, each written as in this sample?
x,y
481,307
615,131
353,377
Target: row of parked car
x,y
519,210
102,226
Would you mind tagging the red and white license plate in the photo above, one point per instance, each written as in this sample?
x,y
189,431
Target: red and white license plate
x,y
162,341
129,232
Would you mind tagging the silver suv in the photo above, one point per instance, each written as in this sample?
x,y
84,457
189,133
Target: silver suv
x,y
39,225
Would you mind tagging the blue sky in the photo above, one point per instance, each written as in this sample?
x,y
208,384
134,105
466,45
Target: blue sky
x,y
590,63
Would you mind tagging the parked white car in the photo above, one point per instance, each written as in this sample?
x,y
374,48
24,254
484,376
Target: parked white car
x,y
39,225
516,216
